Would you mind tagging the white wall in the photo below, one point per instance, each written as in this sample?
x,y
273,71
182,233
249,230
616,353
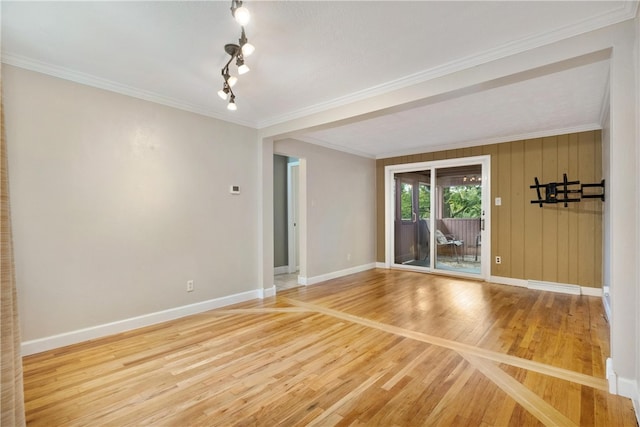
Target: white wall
x,y
636,398
117,202
606,217
622,196
340,207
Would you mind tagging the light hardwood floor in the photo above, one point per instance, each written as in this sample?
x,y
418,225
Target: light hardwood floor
x,y
381,347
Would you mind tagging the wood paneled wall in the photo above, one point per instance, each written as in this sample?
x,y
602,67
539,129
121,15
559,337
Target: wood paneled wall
x,y
553,243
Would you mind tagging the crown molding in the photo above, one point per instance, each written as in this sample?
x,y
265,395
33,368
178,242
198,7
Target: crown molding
x,y
627,11
317,141
100,83
488,141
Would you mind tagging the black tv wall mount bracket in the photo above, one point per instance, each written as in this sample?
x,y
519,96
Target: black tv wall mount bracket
x,y
562,192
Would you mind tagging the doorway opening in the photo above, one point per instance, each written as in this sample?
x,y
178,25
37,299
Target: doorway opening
x,y
437,216
286,217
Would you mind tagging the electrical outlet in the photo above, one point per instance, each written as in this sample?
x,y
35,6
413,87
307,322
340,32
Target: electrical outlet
x,y
348,257
498,259
189,285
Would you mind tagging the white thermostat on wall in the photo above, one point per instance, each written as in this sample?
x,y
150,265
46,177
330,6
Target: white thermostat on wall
x,y
234,189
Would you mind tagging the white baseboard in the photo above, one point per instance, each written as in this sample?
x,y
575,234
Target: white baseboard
x,y
554,287
627,388
508,281
381,265
283,269
591,292
267,292
80,335
336,274
606,301
623,387
611,376
563,288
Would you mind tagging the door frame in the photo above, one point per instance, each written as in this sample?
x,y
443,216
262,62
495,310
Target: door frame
x,y
391,170
293,223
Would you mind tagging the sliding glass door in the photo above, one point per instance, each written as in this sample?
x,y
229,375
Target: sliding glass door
x,y
447,238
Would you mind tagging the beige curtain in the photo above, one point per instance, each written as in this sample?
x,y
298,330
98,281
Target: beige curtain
x,y
11,391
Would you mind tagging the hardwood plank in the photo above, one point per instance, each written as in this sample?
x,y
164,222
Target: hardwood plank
x,y
465,348
375,348
546,413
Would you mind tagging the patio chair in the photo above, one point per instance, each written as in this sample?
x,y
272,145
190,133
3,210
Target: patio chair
x,y
449,241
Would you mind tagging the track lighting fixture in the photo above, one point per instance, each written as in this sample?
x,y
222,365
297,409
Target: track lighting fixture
x,y
237,52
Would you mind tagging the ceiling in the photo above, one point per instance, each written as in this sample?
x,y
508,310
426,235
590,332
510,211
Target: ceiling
x,y
315,55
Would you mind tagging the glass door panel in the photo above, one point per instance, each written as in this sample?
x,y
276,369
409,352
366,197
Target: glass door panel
x,y
412,211
458,219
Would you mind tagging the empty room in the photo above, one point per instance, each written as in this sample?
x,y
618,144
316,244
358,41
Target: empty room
x,y
385,213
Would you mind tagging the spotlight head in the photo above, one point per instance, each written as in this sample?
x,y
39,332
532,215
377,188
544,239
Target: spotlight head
x,y
243,69
241,14
232,104
224,92
247,49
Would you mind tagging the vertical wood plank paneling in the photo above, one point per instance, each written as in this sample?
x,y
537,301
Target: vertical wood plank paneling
x,y
533,214
555,243
504,212
572,256
563,214
426,157
519,198
439,155
586,223
598,209
549,230
476,151
466,152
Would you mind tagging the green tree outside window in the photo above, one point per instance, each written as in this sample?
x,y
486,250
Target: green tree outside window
x,y
463,201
